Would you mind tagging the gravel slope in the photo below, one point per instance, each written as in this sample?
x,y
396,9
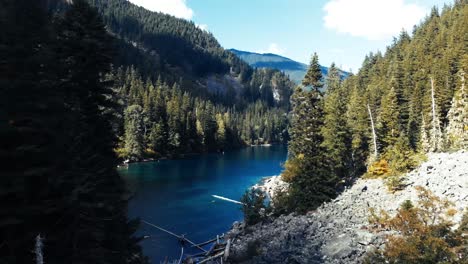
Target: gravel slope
x,y
335,232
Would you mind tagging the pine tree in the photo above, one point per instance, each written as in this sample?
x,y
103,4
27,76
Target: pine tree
x,y
300,128
388,122
158,138
313,77
221,131
55,100
31,139
359,125
311,175
335,131
414,120
424,143
95,203
134,140
457,130
333,81
209,127
315,181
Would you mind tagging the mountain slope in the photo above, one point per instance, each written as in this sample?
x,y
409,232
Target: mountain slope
x,y
180,92
337,231
175,50
412,91
294,69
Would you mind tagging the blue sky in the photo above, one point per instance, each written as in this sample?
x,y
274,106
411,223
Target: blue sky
x,y
340,31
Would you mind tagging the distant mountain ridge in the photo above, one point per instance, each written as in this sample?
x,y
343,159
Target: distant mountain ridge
x,y
295,70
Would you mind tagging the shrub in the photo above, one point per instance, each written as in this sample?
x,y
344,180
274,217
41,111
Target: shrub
x,y
396,161
378,169
395,183
254,206
421,234
281,202
378,221
121,152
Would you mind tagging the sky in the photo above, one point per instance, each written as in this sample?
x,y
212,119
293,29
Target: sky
x,y
340,31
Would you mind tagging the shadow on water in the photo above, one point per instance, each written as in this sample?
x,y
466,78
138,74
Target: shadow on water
x,y
177,194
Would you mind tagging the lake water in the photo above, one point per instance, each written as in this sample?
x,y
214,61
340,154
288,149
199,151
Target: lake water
x,y
177,194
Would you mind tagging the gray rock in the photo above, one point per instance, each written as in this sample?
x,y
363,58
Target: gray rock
x,y
339,247
334,232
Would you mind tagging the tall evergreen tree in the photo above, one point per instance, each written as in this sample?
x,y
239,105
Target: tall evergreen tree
x,y
134,140
457,130
64,186
96,205
313,77
314,182
335,131
388,126
158,138
31,111
311,178
333,80
359,124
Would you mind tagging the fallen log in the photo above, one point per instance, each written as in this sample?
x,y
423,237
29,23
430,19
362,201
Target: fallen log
x,y
207,242
211,258
226,249
182,238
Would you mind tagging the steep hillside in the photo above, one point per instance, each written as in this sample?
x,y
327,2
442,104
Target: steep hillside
x,y
404,103
339,231
295,70
178,91
174,49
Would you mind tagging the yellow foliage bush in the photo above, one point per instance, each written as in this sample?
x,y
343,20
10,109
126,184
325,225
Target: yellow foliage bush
x,y
420,234
151,153
379,169
393,165
120,152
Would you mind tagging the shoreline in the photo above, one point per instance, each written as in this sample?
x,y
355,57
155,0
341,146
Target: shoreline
x,y
125,163
338,230
269,185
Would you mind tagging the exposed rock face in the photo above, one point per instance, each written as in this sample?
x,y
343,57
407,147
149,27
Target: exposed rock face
x,y
337,231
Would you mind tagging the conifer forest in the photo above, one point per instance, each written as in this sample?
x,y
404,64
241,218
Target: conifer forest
x,y
87,86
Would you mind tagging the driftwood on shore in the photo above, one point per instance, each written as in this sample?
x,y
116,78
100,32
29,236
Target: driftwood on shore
x,y
217,253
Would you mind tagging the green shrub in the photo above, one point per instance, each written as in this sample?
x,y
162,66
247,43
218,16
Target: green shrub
x,y
395,183
395,161
281,202
254,206
402,158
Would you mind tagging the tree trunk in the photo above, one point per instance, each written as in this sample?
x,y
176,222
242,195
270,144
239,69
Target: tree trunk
x,y
374,135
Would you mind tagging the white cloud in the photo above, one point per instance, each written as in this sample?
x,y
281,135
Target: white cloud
x,y
372,19
177,8
202,26
273,48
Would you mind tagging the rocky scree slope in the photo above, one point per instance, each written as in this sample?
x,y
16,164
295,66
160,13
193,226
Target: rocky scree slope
x,y
337,231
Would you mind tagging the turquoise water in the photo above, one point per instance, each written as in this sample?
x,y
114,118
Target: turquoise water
x,y
177,194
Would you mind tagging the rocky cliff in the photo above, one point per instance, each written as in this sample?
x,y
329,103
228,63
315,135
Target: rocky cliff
x,y
337,231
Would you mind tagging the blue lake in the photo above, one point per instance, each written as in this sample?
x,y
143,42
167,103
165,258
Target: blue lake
x,y
177,194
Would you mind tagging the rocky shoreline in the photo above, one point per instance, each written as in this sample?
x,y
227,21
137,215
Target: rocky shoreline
x,y
271,184
337,231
